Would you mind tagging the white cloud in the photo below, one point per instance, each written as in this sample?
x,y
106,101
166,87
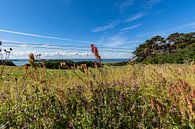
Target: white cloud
x,y
118,42
125,3
131,27
71,55
119,55
150,3
41,45
184,27
21,50
106,27
113,41
136,16
41,36
113,24
189,25
51,55
145,6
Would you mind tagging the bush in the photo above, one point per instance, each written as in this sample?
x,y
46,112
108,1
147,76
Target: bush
x,y
55,64
7,62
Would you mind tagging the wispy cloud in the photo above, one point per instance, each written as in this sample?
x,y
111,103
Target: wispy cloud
x,y
187,26
60,54
131,27
70,55
42,46
136,16
109,26
52,55
125,3
118,41
113,24
42,36
111,49
146,5
22,49
150,3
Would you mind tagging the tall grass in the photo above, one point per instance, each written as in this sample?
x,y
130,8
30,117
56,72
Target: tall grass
x,y
134,96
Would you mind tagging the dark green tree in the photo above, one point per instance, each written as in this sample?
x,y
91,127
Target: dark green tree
x,y
176,48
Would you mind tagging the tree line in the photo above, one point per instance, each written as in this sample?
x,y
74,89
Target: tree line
x,y
176,48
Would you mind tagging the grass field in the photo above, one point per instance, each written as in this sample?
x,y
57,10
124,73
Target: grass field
x,y
133,96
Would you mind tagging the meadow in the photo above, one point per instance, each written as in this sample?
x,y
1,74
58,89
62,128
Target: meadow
x,y
133,96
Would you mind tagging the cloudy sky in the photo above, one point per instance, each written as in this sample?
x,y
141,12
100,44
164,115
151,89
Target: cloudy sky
x,y
66,28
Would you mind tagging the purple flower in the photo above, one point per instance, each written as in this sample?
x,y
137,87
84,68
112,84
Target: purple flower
x,y
25,127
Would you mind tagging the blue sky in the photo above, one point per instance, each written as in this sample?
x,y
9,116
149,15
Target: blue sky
x,y
65,28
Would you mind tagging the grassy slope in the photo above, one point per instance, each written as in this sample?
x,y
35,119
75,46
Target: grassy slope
x,y
68,87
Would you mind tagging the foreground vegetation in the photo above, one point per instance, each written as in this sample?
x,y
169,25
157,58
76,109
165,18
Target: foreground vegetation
x,y
135,96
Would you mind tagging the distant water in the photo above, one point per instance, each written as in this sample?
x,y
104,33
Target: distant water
x,y
20,62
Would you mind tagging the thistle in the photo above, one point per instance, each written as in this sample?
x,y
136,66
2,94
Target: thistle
x,y
31,60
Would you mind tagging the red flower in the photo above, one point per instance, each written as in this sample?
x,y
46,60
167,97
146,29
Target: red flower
x,y
92,48
95,50
92,45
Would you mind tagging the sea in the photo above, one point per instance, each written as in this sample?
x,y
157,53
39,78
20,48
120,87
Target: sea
x,y
20,62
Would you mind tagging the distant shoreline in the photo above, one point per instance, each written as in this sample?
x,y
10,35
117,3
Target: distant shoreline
x,y
20,62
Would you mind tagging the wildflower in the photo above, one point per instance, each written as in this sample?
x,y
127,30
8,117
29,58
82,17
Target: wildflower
x,y
43,81
94,50
193,93
95,64
126,84
171,110
25,67
152,103
154,120
158,108
170,92
83,68
182,111
133,107
174,99
31,60
3,97
189,103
